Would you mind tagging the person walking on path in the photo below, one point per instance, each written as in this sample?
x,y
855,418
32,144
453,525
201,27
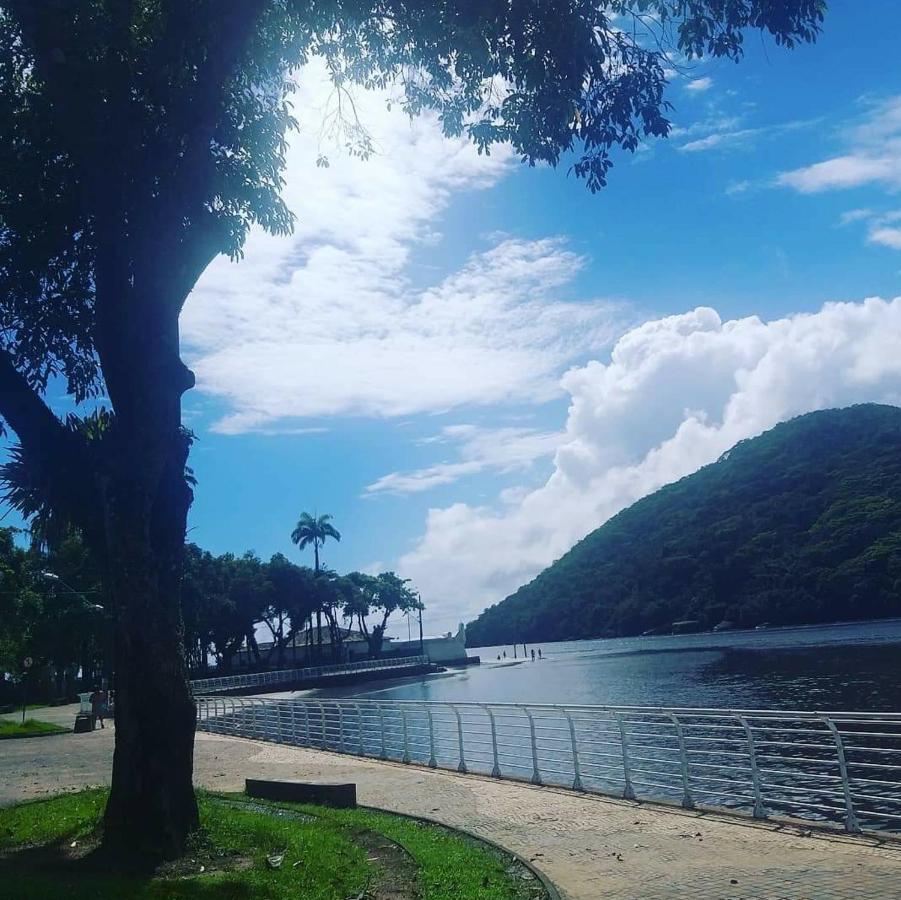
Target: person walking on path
x,y
539,652
533,656
98,707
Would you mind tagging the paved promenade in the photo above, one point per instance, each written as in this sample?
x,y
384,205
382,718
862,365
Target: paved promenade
x,y
591,847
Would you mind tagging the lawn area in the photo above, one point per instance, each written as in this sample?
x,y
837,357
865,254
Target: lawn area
x,y
15,728
49,848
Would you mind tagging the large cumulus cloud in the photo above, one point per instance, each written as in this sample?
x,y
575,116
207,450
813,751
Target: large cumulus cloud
x,y
676,393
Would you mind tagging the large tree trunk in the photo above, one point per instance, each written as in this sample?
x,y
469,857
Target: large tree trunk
x,y
152,807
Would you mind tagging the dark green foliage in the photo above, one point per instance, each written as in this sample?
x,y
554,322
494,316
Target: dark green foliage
x,y
61,624
379,595
799,525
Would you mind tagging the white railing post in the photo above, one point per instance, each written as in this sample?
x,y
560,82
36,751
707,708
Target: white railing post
x,y
341,727
360,729
496,768
628,790
851,823
687,801
461,766
536,775
406,757
433,763
760,811
577,775
306,724
383,753
322,723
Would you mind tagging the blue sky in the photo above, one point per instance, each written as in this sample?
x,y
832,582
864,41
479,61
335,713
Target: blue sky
x,y
392,387
430,358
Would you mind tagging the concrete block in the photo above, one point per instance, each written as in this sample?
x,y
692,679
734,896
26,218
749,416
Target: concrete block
x,y
340,795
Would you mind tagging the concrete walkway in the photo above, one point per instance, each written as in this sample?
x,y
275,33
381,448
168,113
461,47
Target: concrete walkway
x,y
590,847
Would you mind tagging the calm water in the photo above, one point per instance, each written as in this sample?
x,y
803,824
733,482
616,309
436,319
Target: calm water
x,y
834,667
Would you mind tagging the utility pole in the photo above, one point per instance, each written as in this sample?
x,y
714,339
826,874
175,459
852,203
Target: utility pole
x,y
421,642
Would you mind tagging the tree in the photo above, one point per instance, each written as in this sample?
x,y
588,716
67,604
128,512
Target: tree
x,y
293,601
314,530
142,138
383,594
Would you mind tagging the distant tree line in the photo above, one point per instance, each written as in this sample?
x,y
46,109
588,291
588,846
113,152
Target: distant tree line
x,y
225,597
800,525
53,612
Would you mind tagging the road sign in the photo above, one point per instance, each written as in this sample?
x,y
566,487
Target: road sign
x,y
27,662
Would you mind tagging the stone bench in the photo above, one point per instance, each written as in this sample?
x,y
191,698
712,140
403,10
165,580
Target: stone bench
x,y
324,793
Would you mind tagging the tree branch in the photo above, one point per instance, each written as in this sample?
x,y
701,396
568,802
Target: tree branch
x,y
37,428
59,457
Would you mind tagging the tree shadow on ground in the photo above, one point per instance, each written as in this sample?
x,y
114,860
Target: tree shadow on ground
x,y
56,870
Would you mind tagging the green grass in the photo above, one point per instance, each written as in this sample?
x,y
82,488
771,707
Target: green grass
x,y
450,865
15,728
323,859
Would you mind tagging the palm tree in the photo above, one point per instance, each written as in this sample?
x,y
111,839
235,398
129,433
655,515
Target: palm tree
x,y
314,530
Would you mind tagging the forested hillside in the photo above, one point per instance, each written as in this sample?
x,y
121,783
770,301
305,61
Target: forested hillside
x,y
799,525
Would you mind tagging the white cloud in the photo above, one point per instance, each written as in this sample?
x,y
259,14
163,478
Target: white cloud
x,y
480,449
675,395
721,140
848,171
855,215
886,236
874,157
723,135
882,228
327,321
738,187
699,85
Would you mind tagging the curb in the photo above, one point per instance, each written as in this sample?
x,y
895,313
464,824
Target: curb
x,y
553,892
550,888
39,734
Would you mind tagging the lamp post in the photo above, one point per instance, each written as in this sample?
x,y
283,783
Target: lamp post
x,y
421,642
26,665
54,579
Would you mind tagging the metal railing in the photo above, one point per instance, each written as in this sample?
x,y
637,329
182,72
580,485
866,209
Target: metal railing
x,y
289,676
842,767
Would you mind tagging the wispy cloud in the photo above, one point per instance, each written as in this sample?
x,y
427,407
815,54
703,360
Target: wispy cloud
x,y
855,215
721,140
327,322
479,450
885,236
882,228
699,85
722,134
874,156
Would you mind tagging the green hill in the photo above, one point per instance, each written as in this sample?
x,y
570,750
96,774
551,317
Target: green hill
x,y
799,525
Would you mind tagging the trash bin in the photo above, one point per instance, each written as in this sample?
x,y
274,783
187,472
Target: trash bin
x,y
84,719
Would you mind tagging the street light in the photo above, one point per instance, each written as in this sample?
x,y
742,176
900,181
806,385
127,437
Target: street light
x,y
421,642
53,577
